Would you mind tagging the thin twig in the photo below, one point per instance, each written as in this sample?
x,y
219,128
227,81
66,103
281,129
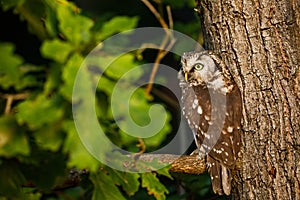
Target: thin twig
x,y
163,50
10,98
170,18
9,102
156,14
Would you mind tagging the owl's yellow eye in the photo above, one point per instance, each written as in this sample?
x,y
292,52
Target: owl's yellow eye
x,y
198,66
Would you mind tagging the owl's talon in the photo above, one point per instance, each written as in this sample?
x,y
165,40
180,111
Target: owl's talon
x,y
195,152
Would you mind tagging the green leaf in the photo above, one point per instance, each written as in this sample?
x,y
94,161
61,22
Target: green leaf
x,y
154,186
106,85
165,172
50,137
56,50
10,74
53,79
116,25
11,179
139,109
51,22
69,75
75,27
13,73
78,155
116,69
104,187
39,111
159,137
32,196
128,181
7,4
13,140
122,65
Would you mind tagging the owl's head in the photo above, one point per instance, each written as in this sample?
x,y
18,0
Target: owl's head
x,y
198,68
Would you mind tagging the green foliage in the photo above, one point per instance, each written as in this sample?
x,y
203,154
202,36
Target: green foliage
x,y
104,187
51,48
151,182
32,111
14,73
39,143
116,25
13,141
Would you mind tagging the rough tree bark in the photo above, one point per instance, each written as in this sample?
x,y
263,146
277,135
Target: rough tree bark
x,y
260,41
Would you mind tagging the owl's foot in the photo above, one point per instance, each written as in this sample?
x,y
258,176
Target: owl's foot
x,y
200,154
195,152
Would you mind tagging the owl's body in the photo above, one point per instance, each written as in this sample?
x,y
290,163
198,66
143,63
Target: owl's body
x,y
212,106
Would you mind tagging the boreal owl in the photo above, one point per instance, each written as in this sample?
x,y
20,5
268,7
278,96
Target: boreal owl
x,y
212,106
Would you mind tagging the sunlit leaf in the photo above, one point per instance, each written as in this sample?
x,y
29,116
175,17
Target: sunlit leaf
x,y
104,188
165,172
116,25
139,109
7,4
159,137
39,111
154,186
13,141
53,78
51,22
50,137
78,155
56,50
10,73
128,181
75,27
69,75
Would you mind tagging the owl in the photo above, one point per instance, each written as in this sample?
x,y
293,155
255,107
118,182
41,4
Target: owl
x,y
212,106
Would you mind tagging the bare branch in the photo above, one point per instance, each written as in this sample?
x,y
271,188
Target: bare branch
x,y
164,48
188,164
156,14
10,98
170,18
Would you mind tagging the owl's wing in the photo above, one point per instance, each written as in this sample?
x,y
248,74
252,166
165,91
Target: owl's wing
x,y
196,107
222,158
214,118
229,141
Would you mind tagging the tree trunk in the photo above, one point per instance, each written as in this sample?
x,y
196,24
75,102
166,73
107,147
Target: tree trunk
x,y
260,41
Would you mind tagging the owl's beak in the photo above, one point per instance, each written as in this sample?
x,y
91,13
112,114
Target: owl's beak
x,y
186,77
